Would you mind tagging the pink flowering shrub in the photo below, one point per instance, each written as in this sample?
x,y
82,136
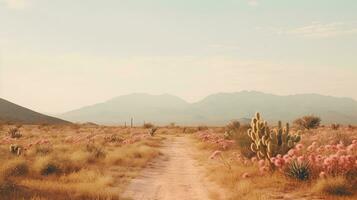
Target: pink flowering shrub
x,y
324,160
218,140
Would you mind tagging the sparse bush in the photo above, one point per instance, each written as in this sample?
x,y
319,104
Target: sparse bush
x,y
231,129
202,128
46,166
308,122
6,187
351,127
17,167
333,186
298,170
113,138
95,151
188,130
335,126
43,150
148,125
233,126
14,133
152,131
172,125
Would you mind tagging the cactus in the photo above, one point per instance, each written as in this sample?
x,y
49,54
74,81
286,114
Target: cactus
x,y
268,143
15,149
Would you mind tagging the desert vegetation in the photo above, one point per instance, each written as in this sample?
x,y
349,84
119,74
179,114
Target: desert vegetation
x,y
72,161
265,162
259,160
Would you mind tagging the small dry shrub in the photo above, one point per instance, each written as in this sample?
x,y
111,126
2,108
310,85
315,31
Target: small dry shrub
x,y
113,138
188,130
16,167
308,122
244,141
43,150
14,133
6,187
96,152
53,165
338,186
233,126
335,126
202,128
148,125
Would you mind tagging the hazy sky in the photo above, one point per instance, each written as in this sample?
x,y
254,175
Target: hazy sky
x,y
58,55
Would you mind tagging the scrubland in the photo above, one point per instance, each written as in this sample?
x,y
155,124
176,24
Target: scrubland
x,y
71,162
257,161
320,165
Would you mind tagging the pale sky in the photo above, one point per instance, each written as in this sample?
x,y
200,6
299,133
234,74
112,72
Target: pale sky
x,y
59,55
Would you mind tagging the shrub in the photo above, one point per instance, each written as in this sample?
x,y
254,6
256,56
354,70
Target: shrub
x,y
113,138
243,141
298,170
351,127
6,187
148,125
14,133
152,131
54,165
233,126
43,149
308,122
95,151
202,128
333,186
172,125
335,126
46,166
15,167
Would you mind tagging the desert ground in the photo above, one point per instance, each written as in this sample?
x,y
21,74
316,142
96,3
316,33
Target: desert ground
x,y
89,161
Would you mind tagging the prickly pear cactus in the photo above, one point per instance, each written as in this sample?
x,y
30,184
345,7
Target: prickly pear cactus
x,y
268,143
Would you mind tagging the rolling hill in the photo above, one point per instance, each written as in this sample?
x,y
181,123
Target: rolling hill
x,y
12,113
216,109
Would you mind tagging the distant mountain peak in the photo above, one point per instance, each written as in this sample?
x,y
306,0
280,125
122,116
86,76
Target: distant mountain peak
x,y
217,109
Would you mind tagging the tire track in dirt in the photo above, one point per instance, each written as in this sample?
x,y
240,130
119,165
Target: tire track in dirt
x,y
177,176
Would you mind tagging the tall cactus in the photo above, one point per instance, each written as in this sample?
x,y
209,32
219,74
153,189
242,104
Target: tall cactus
x,y
268,143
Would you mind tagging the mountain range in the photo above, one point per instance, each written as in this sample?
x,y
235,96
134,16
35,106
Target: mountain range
x,y
216,109
13,113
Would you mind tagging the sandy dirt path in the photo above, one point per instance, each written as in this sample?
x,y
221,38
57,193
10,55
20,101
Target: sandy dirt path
x,y
177,176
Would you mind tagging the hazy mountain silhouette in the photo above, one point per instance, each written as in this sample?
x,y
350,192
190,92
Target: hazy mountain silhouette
x,y
12,113
216,109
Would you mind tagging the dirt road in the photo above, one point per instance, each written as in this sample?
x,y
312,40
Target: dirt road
x,y
177,176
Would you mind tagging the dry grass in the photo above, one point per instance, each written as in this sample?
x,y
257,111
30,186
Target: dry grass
x,y
73,162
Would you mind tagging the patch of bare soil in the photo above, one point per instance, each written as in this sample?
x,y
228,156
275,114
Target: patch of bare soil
x,y
177,175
